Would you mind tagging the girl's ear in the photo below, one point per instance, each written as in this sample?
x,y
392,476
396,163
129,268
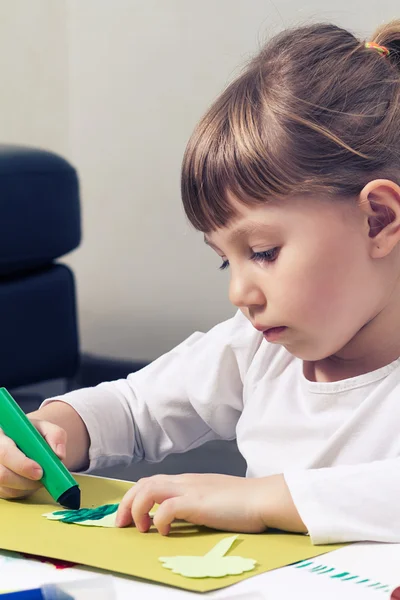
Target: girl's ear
x,y
380,201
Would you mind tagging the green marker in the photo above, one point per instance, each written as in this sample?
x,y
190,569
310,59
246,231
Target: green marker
x,y
56,478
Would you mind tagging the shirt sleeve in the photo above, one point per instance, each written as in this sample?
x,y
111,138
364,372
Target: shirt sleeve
x,y
349,503
191,395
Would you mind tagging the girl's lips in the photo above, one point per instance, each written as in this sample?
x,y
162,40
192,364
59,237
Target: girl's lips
x,y
271,335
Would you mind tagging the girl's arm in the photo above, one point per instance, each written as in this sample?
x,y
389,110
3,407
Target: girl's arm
x,y
183,399
337,504
349,503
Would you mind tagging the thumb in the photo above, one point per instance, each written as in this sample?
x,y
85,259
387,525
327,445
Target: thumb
x,y
54,435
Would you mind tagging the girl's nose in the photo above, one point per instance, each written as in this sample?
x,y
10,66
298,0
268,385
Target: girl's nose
x,y
245,292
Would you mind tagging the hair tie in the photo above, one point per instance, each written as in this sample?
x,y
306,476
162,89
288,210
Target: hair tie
x,y
381,49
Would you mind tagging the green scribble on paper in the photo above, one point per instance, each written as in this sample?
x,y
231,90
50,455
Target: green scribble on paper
x,y
212,564
100,516
86,514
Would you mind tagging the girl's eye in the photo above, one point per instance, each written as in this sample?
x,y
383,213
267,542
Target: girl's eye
x,y
260,257
266,256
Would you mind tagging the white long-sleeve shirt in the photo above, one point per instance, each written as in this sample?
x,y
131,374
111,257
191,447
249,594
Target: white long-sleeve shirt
x,y
337,443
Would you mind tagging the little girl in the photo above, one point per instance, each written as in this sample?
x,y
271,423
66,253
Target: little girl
x,y
293,176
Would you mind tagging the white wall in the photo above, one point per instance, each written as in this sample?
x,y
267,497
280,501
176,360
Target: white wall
x,y
33,68
116,86
141,75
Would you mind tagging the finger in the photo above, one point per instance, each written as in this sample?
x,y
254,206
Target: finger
x,y
124,515
156,491
11,480
54,435
153,486
10,493
179,507
13,459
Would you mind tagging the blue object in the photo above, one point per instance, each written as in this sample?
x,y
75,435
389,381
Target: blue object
x,y
36,594
40,218
98,588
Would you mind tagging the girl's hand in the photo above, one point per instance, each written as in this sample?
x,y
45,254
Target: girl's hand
x,y
217,501
19,475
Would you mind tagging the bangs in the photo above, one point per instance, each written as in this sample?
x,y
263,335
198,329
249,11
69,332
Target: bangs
x,y
315,112
237,149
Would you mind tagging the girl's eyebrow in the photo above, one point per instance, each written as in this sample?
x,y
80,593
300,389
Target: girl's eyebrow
x,y
245,230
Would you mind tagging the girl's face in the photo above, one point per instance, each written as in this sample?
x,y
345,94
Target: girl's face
x,y
304,264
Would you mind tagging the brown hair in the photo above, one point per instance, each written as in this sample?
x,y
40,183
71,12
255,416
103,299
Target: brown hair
x,y
314,112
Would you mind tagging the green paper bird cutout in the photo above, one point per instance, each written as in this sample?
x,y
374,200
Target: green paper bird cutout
x,y
212,564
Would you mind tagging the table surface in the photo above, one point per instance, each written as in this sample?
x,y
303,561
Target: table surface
x,y
288,582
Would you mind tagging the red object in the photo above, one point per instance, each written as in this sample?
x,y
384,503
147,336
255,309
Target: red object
x,y
395,595
58,563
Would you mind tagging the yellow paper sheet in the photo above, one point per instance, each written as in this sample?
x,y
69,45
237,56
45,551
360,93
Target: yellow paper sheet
x,y
126,551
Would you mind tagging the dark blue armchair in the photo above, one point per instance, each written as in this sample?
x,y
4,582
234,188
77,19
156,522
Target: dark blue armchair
x,y
40,222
